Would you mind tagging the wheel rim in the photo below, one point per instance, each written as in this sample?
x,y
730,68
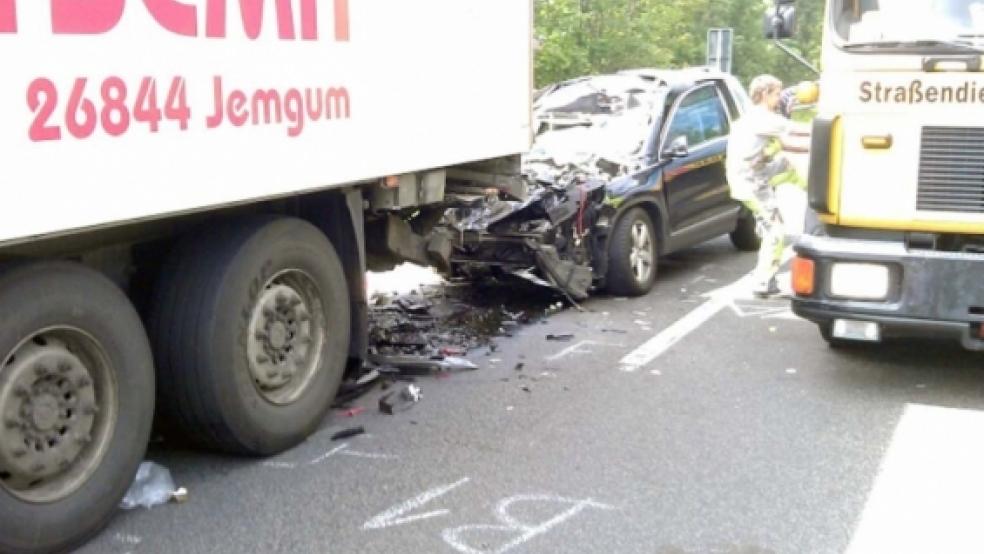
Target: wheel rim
x,y
642,254
286,338
58,401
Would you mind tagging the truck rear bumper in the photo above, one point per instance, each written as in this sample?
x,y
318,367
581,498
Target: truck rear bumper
x,y
930,293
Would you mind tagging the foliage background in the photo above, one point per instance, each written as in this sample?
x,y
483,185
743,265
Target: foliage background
x,y
582,37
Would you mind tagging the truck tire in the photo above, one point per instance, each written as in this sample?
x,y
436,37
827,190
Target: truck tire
x,y
745,237
250,326
77,402
632,255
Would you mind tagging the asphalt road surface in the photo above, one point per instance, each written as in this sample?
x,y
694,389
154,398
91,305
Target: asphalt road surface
x,y
692,420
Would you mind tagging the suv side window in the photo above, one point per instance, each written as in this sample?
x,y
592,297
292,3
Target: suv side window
x,y
700,117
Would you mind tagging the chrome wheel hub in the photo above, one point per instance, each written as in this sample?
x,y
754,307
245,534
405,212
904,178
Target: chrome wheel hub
x,y
642,254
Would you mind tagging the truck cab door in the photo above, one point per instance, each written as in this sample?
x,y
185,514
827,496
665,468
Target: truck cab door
x,y
694,179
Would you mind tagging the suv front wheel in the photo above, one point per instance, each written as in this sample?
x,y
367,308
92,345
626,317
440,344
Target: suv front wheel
x,y
632,254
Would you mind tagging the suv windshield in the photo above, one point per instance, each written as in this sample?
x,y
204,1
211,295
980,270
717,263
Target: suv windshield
x,y
912,24
598,125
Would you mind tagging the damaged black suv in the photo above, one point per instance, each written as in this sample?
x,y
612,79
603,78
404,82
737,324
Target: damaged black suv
x,y
624,168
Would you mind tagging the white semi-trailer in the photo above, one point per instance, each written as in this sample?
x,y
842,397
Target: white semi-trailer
x,y
189,194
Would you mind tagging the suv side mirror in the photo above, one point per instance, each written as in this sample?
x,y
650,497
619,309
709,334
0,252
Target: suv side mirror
x,y
780,20
679,148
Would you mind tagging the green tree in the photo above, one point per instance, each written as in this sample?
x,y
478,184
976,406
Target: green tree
x,y
579,37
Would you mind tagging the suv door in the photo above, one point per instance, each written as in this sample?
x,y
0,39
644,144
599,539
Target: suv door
x,y
696,184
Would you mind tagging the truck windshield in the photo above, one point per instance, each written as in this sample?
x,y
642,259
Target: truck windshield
x,y
921,25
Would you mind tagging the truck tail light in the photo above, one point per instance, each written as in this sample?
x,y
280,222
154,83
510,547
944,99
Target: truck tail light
x,y
804,271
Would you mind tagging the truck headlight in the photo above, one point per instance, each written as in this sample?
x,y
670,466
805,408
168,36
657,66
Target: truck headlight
x,y
859,281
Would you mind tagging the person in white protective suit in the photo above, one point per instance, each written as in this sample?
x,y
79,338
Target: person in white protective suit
x,y
756,164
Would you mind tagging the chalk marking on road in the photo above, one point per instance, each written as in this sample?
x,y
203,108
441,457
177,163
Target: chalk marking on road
x,y
392,516
328,454
124,538
318,460
576,349
928,493
341,450
370,455
527,532
664,340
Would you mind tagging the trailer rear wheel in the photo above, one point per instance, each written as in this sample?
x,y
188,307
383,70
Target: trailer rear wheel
x,y
76,402
250,325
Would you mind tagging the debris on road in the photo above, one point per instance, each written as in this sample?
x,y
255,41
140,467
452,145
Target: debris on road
x,y
450,319
422,365
411,393
152,486
393,402
352,412
565,337
346,433
367,377
351,390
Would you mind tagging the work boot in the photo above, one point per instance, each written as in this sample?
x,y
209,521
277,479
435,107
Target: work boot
x,y
767,289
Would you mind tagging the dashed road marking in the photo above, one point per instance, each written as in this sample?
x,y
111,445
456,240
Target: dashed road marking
x,y
665,339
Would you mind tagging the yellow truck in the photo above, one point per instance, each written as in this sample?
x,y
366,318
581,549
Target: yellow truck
x,y
896,173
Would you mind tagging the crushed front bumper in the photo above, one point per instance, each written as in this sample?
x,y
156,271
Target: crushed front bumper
x,y
930,293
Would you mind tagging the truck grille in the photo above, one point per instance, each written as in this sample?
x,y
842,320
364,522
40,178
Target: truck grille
x,y
951,169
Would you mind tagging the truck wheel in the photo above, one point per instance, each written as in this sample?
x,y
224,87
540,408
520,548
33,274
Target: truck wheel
x,y
76,402
250,325
632,255
746,237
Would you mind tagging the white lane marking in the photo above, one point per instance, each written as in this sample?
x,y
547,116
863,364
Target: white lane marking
x,y
930,490
392,516
656,346
665,339
510,524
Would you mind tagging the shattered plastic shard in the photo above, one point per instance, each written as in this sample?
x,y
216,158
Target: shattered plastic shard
x,y
391,402
411,393
152,486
